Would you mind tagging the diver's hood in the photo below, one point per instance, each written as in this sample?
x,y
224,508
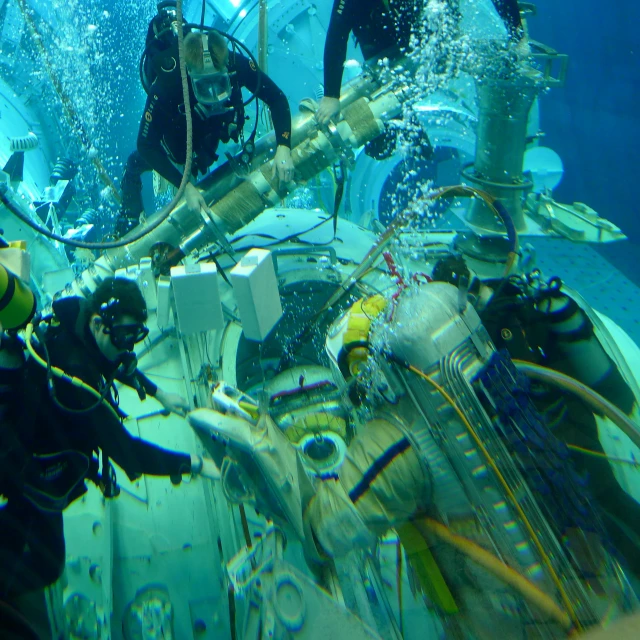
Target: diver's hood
x,y
73,314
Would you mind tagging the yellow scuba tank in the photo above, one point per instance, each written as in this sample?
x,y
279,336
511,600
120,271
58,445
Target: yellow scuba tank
x,y
17,302
348,343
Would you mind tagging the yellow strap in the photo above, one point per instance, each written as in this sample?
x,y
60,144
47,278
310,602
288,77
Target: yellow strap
x,y
426,568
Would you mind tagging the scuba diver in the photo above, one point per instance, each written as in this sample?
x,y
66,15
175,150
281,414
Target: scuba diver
x,y
540,323
216,78
382,28
63,412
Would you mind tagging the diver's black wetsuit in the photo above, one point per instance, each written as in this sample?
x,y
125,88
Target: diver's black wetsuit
x,y
32,550
381,25
378,25
163,128
509,11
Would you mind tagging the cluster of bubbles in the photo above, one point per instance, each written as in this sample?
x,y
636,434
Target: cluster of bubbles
x,y
443,53
436,54
89,55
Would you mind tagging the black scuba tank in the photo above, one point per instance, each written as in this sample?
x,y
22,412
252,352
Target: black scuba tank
x,y
160,54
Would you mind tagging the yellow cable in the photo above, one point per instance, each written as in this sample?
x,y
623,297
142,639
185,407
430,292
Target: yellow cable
x,y
543,554
498,568
59,373
598,454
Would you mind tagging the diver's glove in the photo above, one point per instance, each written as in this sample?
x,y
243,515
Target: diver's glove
x,y
200,466
204,467
172,402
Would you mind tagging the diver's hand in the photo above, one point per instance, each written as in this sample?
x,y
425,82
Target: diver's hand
x,y
173,402
329,108
204,467
193,198
283,164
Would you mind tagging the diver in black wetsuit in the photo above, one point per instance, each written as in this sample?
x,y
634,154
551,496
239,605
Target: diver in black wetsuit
x,y
547,327
59,427
380,26
216,77
509,11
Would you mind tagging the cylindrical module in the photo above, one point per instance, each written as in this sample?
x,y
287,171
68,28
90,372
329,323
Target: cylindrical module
x,y
504,106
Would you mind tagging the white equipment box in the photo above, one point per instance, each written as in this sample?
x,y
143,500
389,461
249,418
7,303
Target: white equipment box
x,y
255,288
165,313
197,299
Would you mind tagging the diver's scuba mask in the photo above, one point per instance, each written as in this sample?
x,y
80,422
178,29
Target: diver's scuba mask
x,y
126,336
211,87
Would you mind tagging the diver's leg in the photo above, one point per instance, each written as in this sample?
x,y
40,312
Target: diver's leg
x,y
621,511
132,205
32,555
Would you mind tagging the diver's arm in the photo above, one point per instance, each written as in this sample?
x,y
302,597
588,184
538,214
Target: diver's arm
x,y
133,454
172,402
509,11
98,427
269,92
335,46
136,380
149,144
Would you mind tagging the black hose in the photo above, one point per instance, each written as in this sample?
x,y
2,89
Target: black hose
x,y
510,227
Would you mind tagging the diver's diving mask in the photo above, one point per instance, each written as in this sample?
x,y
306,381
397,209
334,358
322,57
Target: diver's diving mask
x,y
125,336
211,87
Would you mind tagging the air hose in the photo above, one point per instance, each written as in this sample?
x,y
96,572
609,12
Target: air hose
x,y
15,208
497,567
59,373
592,398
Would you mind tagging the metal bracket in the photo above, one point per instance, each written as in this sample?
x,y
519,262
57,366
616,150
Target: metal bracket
x,y
285,602
547,60
576,222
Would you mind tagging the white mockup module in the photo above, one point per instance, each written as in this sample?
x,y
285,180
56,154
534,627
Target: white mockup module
x,y
255,289
196,296
164,316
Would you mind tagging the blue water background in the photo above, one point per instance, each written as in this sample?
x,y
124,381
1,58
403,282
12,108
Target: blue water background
x,y
594,121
